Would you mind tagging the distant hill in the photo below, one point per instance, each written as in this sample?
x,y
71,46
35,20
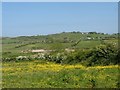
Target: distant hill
x,y
65,37
15,46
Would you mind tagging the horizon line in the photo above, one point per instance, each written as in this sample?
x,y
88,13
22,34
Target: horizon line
x,y
58,33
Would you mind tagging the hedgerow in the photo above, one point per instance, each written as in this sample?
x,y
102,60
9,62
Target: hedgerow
x,y
106,54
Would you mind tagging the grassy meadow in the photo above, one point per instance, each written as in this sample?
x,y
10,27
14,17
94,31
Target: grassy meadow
x,y
66,60
39,74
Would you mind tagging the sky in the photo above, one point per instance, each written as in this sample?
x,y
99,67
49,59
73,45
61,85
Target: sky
x,y
0,19
41,18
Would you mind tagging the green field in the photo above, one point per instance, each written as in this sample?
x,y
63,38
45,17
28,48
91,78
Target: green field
x,y
14,45
76,60
39,74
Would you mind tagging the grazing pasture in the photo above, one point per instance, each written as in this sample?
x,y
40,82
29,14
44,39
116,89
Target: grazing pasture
x,y
43,74
64,60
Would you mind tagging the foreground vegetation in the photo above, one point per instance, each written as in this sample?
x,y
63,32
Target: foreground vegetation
x,y
43,74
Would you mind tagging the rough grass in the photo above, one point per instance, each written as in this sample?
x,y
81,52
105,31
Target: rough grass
x,y
42,74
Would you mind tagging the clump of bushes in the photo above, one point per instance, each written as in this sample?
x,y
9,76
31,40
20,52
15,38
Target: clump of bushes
x,y
100,55
106,54
56,57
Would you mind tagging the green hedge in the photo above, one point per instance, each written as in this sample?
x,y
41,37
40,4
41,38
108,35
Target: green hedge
x,y
106,54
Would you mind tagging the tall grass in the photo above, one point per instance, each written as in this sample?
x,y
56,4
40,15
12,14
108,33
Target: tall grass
x,y
41,74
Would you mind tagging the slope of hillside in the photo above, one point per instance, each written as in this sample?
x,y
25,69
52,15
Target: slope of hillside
x,y
16,46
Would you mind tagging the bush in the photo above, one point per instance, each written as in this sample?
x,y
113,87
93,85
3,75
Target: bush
x,y
100,55
106,54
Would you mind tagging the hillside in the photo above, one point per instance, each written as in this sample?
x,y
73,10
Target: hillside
x,y
61,41
64,60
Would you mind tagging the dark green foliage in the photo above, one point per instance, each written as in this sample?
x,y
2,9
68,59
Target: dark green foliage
x,y
76,43
100,55
92,32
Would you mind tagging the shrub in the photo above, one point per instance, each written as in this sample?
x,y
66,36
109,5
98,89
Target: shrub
x,y
100,55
